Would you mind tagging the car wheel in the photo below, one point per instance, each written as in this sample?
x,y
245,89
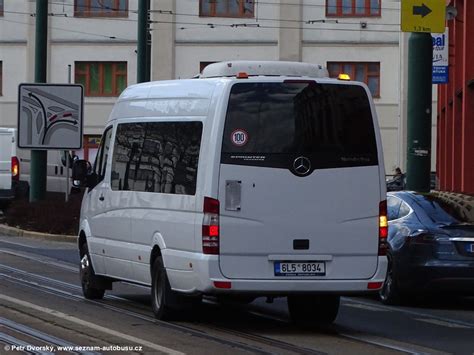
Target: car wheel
x,y
88,277
163,300
390,293
313,310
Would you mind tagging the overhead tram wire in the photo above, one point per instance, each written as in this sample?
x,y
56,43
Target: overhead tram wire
x,y
328,20
213,25
67,30
253,25
336,19
256,2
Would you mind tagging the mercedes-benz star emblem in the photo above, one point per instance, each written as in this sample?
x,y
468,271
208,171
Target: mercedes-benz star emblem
x,y
302,165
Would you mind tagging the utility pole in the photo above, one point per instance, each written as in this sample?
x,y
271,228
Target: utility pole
x,y
419,104
143,42
39,158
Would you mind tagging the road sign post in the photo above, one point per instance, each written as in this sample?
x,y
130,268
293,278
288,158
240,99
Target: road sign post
x,y
421,17
420,48
143,50
39,158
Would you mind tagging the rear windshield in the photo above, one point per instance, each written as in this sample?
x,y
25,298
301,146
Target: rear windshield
x,y
271,124
441,211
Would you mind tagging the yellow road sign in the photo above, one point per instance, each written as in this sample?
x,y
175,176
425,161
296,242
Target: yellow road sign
x,y
423,16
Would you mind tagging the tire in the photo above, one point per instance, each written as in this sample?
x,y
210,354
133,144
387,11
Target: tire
x,y
390,293
164,301
313,310
88,278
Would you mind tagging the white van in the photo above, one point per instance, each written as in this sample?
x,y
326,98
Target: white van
x,y
15,168
255,179
12,170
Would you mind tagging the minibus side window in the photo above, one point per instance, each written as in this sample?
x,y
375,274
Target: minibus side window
x,y
101,158
159,157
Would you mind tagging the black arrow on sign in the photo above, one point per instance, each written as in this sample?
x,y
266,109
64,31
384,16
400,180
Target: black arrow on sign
x,y
422,10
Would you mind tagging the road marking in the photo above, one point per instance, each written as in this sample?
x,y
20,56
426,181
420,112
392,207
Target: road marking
x,y
383,343
409,312
367,307
90,325
443,323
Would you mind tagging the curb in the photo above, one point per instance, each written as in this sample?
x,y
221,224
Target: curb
x,y
16,232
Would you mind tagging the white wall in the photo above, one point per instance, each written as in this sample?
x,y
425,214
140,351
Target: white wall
x,y
189,56
195,28
180,45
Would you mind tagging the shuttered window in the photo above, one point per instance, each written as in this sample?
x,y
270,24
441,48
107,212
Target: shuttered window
x,y
100,8
353,8
366,72
101,78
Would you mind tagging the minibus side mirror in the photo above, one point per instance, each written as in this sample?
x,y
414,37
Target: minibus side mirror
x,y
82,174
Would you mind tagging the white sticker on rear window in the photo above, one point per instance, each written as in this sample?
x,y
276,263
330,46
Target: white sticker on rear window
x,y
239,137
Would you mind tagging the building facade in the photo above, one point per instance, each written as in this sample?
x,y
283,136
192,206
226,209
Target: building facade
x,y
455,161
93,42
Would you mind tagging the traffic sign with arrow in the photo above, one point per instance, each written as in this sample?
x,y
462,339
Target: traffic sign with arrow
x,y
422,10
423,16
50,116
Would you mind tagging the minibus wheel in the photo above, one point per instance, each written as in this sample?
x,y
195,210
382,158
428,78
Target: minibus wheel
x,y
88,277
313,309
163,299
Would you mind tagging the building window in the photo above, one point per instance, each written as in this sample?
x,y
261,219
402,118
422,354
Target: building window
x,y
1,78
100,8
367,72
101,78
226,8
1,7
354,8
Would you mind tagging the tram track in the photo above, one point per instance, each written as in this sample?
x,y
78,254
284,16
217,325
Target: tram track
x,y
22,281
34,334
53,286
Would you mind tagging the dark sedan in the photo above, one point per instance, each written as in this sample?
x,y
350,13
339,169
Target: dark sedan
x,y
431,248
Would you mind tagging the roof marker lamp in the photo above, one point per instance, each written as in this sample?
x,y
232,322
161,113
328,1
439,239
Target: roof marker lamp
x,y
343,76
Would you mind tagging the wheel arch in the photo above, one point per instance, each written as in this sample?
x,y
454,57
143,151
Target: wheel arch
x,y
84,231
157,245
81,241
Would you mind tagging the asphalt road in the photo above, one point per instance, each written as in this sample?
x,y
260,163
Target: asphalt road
x,y
39,290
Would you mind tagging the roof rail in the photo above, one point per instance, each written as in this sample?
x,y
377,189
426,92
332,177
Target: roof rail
x,y
265,68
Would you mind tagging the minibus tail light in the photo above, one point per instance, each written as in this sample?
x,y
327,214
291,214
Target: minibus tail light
x,y
210,227
15,169
383,228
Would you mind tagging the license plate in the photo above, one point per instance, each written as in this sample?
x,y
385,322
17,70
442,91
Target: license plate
x,y
300,268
